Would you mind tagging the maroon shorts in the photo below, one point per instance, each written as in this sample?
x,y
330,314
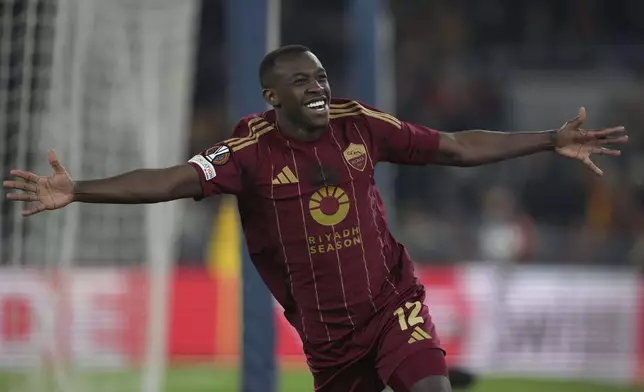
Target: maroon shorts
x,y
398,348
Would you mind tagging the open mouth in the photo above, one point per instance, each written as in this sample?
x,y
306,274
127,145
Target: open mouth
x,y
317,104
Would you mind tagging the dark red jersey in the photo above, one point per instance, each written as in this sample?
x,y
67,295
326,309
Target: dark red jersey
x,y
314,222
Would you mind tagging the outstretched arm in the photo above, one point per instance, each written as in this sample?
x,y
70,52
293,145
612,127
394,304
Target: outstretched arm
x,y
135,187
216,170
472,148
478,147
141,186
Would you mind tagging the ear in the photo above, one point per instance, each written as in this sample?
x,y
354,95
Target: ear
x,y
270,97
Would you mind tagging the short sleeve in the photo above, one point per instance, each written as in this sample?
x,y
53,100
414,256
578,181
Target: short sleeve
x,y
401,142
220,167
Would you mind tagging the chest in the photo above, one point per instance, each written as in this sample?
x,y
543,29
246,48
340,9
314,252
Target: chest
x,y
320,170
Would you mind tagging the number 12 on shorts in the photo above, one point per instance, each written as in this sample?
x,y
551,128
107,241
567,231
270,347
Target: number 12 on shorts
x,y
412,320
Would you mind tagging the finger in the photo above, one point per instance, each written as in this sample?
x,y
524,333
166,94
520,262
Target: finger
x,y
28,196
25,175
581,117
54,162
25,186
605,151
591,165
35,210
601,133
612,140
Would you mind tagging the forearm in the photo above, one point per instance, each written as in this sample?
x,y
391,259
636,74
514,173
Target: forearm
x,y
478,147
140,186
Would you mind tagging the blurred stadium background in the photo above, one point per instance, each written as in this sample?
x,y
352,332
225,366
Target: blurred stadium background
x,y
534,269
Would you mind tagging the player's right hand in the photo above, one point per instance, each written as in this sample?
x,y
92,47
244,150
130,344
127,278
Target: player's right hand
x,y
49,193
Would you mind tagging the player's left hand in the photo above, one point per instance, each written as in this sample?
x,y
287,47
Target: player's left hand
x,y
574,142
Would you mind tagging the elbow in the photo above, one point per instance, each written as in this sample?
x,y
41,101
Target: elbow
x,y
155,186
456,151
471,161
460,158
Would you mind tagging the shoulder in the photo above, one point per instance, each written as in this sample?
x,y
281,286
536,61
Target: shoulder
x,y
248,132
342,108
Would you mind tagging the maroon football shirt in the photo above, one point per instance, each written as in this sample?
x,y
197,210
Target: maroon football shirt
x,y
313,219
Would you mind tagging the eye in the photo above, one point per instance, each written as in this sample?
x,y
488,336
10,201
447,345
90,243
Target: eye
x,y
299,81
322,77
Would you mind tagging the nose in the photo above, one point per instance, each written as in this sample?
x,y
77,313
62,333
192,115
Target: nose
x,y
316,87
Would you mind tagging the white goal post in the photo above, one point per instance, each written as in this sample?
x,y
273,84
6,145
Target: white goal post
x,y
107,84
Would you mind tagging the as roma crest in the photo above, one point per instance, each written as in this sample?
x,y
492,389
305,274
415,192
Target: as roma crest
x,y
356,156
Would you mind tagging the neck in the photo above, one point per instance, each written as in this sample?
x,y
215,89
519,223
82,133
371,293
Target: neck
x,y
292,130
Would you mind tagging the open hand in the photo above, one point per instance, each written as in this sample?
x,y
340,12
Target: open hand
x,y
49,193
573,142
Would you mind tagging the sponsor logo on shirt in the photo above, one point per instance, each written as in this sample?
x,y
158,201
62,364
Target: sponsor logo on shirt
x,y
335,240
329,205
218,155
207,167
356,156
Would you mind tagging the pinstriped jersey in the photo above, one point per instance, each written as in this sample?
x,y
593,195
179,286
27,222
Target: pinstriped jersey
x,y
314,221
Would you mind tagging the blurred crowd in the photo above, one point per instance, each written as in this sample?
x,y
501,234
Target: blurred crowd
x,y
541,208
457,63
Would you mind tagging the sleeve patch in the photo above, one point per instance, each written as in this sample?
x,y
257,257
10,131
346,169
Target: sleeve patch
x,y
218,155
207,167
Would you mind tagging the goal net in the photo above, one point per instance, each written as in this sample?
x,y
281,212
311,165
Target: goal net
x,y
106,83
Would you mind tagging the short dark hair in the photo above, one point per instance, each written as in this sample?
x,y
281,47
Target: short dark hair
x,y
269,61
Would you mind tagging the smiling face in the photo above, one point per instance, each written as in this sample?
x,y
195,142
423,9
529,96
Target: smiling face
x,y
300,89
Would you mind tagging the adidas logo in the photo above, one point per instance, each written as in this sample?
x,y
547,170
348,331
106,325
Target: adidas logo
x,y
417,335
286,176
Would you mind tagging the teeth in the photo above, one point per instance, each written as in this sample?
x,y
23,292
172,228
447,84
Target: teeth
x,y
315,104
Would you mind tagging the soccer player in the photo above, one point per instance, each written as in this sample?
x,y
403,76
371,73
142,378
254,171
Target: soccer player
x,y
303,174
